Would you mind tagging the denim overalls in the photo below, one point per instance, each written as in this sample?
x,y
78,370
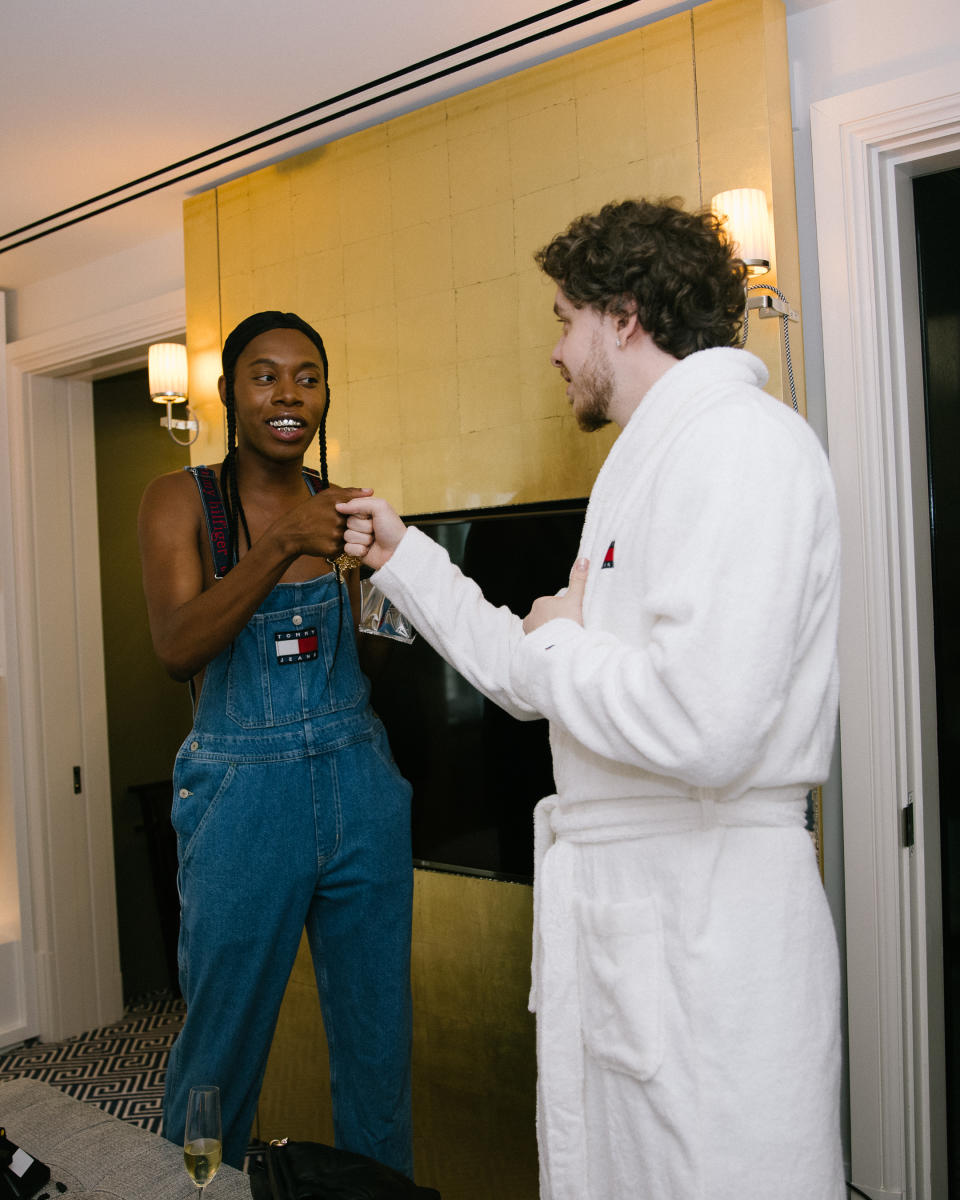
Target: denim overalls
x,y
290,813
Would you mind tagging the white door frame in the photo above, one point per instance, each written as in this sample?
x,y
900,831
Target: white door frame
x,y
19,982
867,146
71,350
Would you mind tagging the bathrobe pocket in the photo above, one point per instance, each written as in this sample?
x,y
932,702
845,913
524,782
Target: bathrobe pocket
x,y
621,984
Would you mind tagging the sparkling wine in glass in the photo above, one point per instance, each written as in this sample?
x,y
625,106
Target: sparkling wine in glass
x,y
202,1141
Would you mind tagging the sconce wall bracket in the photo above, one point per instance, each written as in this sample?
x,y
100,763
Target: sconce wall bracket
x,y
189,424
173,423
772,306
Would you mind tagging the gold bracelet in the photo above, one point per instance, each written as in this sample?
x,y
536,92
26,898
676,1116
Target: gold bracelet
x,y
345,562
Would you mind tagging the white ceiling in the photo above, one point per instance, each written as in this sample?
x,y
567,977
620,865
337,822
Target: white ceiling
x,y
96,93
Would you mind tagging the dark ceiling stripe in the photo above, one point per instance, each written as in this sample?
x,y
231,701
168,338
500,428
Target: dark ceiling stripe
x,y
290,133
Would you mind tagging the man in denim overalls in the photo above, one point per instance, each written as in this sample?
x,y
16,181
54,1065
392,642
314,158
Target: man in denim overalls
x,y
288,807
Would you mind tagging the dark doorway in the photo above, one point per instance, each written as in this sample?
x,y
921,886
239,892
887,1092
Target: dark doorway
x,y
148,715
936,203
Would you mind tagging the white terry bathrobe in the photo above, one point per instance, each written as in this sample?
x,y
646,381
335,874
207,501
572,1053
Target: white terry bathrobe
x,y
685,972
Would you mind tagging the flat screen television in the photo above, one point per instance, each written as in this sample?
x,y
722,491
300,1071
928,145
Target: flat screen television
x,y
476,772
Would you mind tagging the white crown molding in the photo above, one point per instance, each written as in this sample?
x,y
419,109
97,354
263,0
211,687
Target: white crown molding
x,y
56,350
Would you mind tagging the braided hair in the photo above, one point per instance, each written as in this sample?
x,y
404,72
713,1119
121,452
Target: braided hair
x,y
233,347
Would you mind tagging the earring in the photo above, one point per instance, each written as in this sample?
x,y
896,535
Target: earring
x,y
618,343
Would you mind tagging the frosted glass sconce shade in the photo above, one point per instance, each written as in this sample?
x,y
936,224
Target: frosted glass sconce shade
x,y
744,211
167,368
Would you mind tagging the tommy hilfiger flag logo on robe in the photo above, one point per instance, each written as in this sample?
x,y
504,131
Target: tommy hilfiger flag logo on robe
x,y
299,646
608,557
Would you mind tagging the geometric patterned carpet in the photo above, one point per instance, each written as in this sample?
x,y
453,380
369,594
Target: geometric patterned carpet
x,y
120,1068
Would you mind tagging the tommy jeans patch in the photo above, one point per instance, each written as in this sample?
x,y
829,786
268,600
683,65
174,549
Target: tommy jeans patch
x,y
300,645
608,557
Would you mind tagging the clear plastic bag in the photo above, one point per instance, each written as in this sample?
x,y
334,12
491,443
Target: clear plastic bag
x,y
381,618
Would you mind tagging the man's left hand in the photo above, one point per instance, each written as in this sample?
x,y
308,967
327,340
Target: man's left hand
x,y
569,605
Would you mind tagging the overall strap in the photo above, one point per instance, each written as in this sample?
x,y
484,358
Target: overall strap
x,y
314,479
218,527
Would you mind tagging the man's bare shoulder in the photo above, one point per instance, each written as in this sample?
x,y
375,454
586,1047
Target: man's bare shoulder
x,y
176,489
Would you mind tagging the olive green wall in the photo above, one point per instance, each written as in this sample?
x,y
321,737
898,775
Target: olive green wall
x,y
148,714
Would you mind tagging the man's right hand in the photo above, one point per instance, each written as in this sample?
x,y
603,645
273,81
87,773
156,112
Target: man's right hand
x,y
373,530
316,526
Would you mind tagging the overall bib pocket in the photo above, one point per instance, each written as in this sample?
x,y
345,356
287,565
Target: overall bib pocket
x,y
287,666
621,980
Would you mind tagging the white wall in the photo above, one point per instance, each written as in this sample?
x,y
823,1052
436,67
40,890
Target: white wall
x,y
108,284
838,46
10,973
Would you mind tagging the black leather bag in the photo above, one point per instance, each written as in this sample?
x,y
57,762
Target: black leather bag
x,y
313,1171
20,1173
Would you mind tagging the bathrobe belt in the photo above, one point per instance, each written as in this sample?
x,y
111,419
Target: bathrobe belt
x,y
554,970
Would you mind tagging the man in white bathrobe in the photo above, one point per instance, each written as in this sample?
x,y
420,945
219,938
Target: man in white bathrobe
x,y
685,972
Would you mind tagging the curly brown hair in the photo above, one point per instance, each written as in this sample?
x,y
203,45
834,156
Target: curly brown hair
x,y
677,268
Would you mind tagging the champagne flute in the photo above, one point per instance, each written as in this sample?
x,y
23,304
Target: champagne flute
x,y
202,1141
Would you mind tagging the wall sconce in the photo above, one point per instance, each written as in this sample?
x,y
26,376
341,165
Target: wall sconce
x,y
744,213
167,369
